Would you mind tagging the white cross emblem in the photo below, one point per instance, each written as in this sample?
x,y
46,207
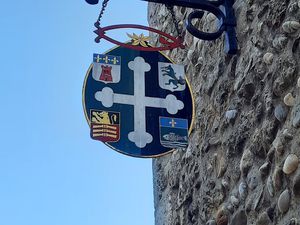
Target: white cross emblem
x,y
139,136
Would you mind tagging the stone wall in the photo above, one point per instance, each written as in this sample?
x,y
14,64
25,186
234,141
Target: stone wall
x,y
241,166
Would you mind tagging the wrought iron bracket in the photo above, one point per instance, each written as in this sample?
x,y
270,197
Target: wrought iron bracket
x,y
222,9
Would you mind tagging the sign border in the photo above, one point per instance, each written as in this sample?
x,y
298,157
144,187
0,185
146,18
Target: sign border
x,y
117,150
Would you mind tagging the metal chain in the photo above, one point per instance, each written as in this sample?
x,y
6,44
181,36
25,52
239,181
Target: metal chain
x,y
171,10
104,4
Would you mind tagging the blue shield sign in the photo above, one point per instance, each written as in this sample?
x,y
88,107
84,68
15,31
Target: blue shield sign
x,y
138,103
173,132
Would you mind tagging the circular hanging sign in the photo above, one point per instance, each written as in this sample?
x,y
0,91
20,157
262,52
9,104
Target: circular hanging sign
x,y
138,103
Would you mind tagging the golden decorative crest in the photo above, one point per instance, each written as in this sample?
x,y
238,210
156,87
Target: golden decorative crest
x,y
139,40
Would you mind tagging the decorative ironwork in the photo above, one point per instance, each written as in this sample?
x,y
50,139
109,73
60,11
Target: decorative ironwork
x,y
226,17
139,43
222,9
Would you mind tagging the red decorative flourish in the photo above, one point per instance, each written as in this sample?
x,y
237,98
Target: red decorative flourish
x,y
163,38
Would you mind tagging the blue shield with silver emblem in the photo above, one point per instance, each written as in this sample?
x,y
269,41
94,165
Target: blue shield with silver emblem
x,y
142,105
173,132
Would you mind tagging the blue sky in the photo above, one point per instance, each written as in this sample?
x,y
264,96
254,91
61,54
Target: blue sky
x,y
51,172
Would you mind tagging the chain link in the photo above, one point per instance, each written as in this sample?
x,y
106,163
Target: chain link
x,y
104,4
171,10
169,7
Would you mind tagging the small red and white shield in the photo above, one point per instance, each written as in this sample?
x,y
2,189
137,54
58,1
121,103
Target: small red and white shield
x,y
107,68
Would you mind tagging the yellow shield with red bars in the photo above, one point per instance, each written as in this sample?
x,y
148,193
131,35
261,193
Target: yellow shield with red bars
x,y
105,125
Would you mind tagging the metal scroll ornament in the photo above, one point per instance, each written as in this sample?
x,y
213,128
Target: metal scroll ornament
x,y
222,9
167,41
